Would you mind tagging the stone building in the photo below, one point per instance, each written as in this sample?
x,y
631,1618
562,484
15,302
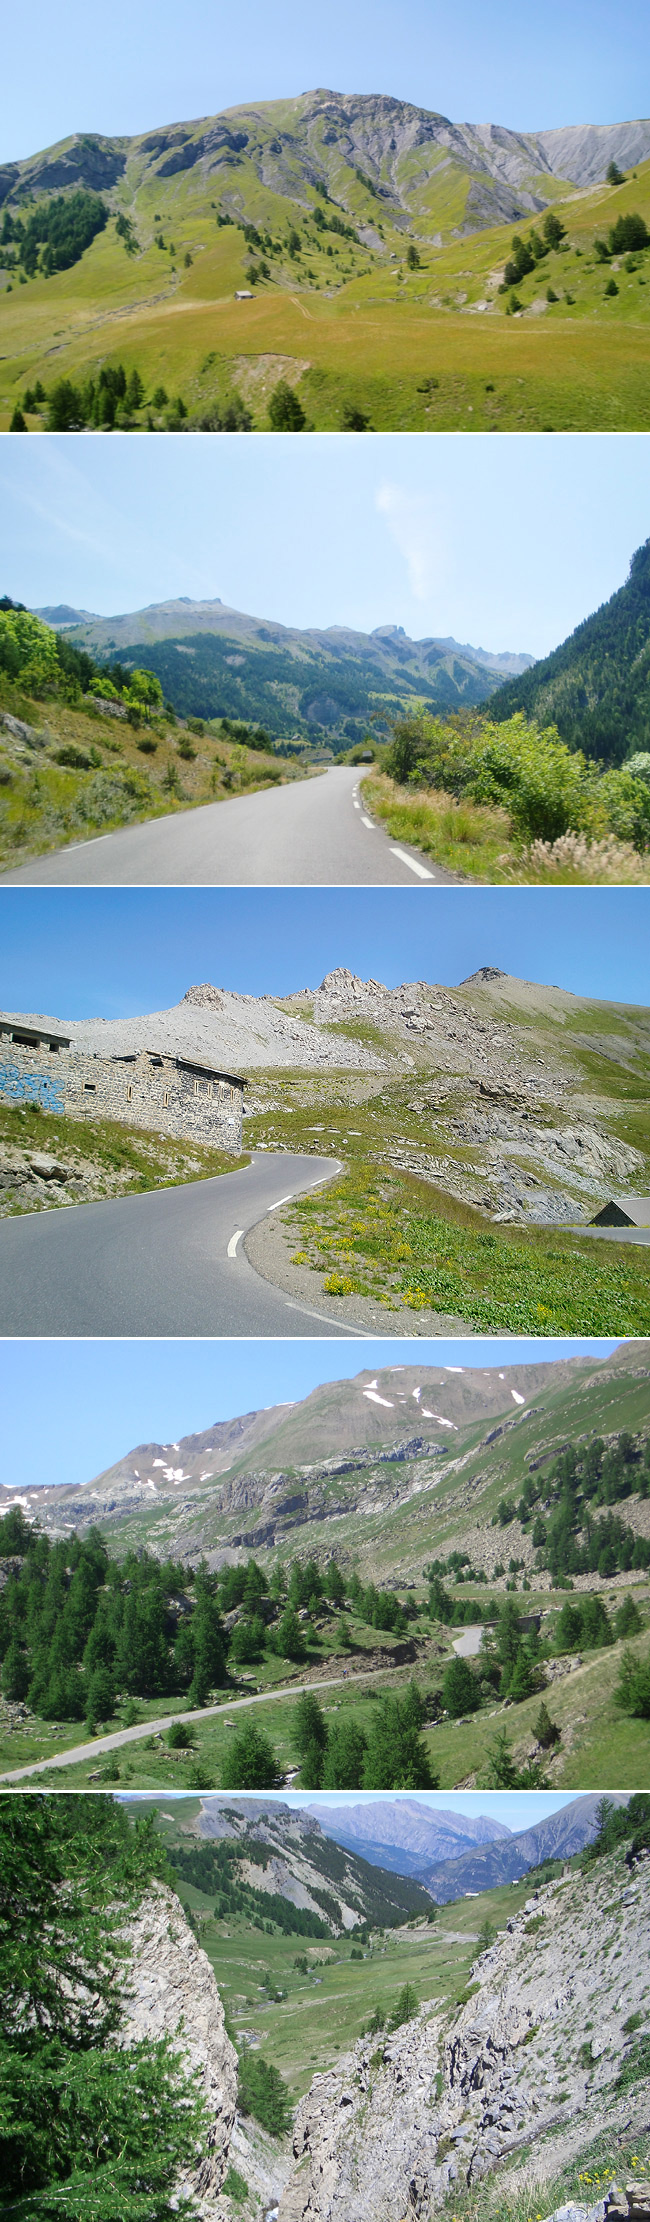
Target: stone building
x,y
172,1094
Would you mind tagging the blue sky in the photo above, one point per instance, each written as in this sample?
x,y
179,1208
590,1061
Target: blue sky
x,y
502,542
88,1403
94,952
124,70
518,1809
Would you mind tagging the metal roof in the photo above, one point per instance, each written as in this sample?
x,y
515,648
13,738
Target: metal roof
x,y
623,1211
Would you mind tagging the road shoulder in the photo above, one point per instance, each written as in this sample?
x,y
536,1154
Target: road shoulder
x,y
269,1247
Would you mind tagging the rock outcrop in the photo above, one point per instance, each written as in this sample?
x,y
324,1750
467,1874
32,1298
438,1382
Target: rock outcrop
x,y
534,2055
170,1991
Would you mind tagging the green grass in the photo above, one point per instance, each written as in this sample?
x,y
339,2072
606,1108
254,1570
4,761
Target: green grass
x,y
326,2011
120,1160
477,841
599,1744
397,1237
351,328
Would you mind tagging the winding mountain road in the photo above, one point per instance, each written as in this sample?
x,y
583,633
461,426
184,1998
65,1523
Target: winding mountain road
x,y
315,833
168,1262
114,1741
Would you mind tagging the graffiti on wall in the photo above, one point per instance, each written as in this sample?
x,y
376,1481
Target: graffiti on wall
x,y
31,1087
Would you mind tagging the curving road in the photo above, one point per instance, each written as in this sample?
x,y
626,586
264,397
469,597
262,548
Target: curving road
x,y
316,833
114,1741
169,1262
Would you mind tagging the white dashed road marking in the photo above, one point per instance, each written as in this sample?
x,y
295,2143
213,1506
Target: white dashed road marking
x,y
367,822
420,869
234,1239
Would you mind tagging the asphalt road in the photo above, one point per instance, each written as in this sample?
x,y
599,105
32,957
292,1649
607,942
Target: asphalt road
x,y
226,1706
316,833
169,1262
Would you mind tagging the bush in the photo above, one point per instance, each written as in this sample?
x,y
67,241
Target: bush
x,y
180,1736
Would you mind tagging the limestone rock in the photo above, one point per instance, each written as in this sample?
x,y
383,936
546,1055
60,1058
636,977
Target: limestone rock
x,y
170,1991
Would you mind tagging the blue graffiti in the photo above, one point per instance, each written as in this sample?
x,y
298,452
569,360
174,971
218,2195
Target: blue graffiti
x,y
31,1087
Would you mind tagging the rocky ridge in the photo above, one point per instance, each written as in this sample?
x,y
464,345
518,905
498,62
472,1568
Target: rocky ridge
x,y
533,2056
504,1127
395,148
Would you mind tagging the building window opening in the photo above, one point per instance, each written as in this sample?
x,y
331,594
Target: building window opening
x,y
90,1088
197,1090
165,1099
129,1093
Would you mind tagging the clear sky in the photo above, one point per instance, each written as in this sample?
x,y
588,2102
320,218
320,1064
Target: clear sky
x,y
518,1809
111,953
506,543
121,69
70,1409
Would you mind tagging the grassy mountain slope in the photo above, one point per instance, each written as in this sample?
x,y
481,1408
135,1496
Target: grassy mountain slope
x,y
343,318
596,686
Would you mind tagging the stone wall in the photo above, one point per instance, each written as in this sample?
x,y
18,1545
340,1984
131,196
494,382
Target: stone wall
x,y
186,1101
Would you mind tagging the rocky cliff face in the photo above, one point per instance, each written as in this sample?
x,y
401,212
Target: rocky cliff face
x,y
533,2056
171,1992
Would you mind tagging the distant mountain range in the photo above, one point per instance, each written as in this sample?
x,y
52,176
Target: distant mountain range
x,y
408,1835
216,661
596,686
377,158
452,1853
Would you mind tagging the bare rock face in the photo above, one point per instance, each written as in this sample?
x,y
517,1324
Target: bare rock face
x,y
530,2061
204,996
171,1992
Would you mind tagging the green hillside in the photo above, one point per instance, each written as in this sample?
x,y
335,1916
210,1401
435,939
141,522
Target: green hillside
x,y
371,270
596,687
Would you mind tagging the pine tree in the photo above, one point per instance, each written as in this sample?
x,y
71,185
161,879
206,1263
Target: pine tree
x,y
250,1762
345,1755
460,1689
546,1730
15,1672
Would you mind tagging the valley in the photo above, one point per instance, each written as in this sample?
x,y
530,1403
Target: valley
x,y
348,254
492,2050
368,1577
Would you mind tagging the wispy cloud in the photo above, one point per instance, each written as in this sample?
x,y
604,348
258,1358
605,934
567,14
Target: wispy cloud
x,y
415,525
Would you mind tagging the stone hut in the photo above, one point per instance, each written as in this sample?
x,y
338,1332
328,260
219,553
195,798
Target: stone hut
x,y
172,1094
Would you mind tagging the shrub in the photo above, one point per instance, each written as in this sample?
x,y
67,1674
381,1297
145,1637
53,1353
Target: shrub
x,y
180,1736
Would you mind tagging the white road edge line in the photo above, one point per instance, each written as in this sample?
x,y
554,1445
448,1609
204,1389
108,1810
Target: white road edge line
x,y
367,822
281,1200
420,869
234,1239
293,1306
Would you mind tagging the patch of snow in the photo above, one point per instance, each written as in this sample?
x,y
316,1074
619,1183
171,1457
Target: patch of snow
x,y
516,1397
453,1369
373,1398
441,1423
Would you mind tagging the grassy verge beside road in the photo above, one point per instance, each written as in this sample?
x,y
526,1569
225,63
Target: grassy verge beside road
x,y
99,1158
123,774
477,840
